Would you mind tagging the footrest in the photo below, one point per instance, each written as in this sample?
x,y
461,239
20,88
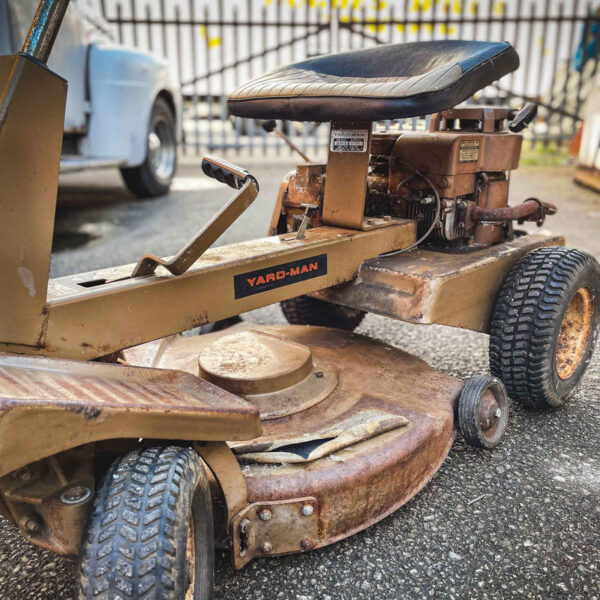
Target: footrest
x,y
47,406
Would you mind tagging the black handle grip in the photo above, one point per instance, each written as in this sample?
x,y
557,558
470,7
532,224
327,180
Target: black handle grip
x,y
226,172
269,125
523,118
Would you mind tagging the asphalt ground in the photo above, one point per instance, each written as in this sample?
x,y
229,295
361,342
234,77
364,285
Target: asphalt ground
x,y
522,521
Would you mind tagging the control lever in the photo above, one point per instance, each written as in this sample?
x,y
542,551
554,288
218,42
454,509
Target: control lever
x,y
308,208
234,177
271,125
521,119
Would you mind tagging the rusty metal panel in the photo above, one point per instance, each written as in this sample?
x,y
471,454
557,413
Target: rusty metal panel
x,y
224,466
86,322
49,500
362,483
269,528
452,159
47,406
30,148
425,286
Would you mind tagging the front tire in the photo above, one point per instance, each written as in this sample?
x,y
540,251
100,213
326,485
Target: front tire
x,y
545,324
155,175
150,533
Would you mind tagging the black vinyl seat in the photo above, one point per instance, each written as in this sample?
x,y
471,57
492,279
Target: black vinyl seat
x,y
385,82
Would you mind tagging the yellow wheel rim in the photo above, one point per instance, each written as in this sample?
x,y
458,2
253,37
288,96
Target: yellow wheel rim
x,y
574,334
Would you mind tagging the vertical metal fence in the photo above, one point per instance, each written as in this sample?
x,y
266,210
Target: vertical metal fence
x,y
215,45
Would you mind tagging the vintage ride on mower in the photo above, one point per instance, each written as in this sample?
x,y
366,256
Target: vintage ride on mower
x,y
134,449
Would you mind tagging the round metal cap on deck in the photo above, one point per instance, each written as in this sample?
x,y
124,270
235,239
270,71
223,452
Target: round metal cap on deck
x,y
273,372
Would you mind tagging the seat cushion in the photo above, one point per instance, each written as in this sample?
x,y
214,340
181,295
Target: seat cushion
x,y
385,82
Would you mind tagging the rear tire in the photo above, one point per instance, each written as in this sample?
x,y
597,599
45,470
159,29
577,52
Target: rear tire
x,y
150,533
545,324
155,175
305,310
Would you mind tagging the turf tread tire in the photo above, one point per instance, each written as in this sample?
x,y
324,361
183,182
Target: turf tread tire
x,y
526,320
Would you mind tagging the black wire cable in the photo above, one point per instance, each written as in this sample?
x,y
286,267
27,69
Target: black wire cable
x,y
436,220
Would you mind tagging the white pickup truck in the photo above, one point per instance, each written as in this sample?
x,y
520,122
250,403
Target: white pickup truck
x,y
123,107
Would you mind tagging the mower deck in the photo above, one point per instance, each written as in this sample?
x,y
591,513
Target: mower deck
x,y
355,456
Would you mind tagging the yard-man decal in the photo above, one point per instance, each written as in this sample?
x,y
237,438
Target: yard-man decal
x,y
270,278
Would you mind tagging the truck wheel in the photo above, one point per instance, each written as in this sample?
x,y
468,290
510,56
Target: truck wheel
x,y
305,310
150,533
545,324
483,411
154,176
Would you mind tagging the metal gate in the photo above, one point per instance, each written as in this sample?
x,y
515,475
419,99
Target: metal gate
x,y
215,45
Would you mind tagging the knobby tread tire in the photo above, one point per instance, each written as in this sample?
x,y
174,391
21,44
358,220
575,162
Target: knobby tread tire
x,y
305,310
135,548
526,322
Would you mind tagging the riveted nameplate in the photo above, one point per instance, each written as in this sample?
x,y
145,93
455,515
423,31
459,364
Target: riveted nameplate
x,y
349,140
468,151
263,280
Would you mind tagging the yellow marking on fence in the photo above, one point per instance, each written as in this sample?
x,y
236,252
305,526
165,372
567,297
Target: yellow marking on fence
x,y
212,42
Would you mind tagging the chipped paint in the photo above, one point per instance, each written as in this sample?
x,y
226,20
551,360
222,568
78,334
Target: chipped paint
x,y
27,280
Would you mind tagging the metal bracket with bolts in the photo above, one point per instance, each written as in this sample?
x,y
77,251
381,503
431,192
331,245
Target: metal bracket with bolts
x,y
271,528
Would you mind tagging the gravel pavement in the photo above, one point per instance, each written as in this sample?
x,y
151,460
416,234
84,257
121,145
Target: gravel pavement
x,y
522,521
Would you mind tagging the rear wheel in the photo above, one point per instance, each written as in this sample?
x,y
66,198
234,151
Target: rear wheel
x,y
545,324
154,176
305,310
150,534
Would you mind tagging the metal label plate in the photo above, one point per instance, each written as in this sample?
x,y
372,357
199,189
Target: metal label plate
x,y
349,140
263,280
468,151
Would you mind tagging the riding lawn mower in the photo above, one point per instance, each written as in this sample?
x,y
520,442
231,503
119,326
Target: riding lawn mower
x,y
134,450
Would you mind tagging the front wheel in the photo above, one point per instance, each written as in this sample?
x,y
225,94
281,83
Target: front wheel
x,y
150,533
154,176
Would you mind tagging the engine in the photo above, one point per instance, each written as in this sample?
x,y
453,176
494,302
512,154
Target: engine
x,y
452,180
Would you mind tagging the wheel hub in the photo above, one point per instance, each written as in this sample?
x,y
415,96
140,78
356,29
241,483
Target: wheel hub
x,y
161,150
574,333
489,414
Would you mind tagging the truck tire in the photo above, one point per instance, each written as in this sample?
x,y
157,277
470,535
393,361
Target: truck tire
x,y
305,310
150,533
155,175
545,324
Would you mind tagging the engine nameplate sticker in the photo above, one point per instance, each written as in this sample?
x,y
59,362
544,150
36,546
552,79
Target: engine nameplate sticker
x,y
263,280
349,140
468,151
